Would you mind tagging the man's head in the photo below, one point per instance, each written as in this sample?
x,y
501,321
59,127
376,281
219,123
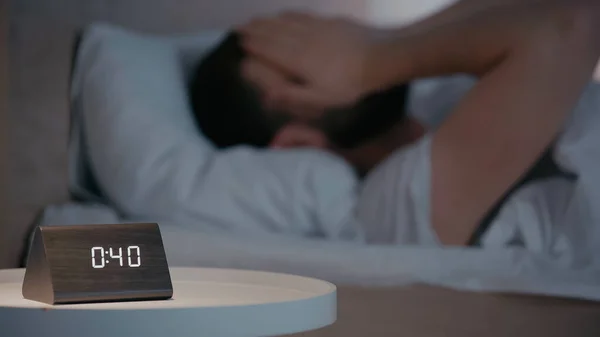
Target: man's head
x,y
232,110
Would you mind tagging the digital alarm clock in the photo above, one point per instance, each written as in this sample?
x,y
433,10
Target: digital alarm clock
x,y
97,263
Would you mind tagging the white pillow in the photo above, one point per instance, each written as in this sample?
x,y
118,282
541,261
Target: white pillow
x,y
135,146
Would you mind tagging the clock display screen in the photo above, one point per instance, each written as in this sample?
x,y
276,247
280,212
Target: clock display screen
x,y
107,259
101,257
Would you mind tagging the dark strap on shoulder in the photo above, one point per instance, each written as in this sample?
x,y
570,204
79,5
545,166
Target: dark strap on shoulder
x,y
78,38
545,168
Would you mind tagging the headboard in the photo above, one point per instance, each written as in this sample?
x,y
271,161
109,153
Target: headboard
x,y
39,46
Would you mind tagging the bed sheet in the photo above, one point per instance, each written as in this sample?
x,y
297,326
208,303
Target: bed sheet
x,y
502,270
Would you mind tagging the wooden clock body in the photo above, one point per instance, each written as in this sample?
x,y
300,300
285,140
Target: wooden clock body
x,y
97,263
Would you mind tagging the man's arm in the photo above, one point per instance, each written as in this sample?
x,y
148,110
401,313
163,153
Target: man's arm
x,y
534,62
533,57
507,120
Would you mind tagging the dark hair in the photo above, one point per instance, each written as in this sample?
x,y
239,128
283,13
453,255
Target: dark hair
x,y
229,112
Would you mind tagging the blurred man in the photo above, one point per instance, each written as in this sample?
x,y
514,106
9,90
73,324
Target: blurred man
x,y
231,110
533,59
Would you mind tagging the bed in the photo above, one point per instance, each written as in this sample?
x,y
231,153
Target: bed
x,y
34,134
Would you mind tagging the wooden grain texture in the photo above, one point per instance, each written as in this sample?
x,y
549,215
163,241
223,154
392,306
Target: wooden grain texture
x,y
62,257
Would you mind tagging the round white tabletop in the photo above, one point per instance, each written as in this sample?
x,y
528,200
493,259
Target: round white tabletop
x,y
206,302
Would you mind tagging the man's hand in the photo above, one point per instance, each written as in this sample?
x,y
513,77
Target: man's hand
x,y
533,57
327,58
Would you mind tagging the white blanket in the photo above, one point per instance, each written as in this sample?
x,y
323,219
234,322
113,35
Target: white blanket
x,y
573,272
502,270
545,239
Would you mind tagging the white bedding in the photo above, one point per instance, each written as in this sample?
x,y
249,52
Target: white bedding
x,y
503,270
133,147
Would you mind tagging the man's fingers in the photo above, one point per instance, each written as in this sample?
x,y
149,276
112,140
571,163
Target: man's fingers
x,y
282,55
277,41
304,102
265,29
279,93
273,87
264,77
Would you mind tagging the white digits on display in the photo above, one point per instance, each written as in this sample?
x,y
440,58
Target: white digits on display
x,y
99,260
131,250
94,264
120,256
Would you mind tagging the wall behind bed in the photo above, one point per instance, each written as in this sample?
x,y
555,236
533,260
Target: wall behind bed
x,y
41,34
3,115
